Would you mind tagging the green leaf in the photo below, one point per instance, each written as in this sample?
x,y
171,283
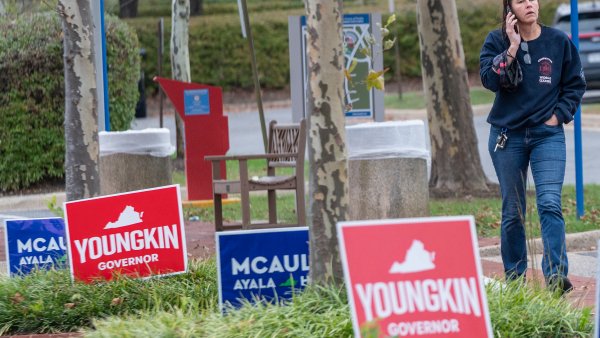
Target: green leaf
x,y
375,79
390,20
347,75
385,32
388,44
352,65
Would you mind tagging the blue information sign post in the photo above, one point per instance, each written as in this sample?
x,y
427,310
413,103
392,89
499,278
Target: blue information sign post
x,y
577,122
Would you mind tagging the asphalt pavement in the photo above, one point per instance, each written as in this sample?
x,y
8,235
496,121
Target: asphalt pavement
x,y
245,137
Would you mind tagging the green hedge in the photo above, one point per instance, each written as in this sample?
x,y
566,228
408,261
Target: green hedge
x,y
32,99
158,8
219,55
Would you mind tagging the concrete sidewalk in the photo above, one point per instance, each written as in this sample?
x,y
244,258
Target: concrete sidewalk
x,y
583,294
583,264
40,201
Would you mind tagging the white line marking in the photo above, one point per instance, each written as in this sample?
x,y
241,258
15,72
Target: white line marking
x,y
10,216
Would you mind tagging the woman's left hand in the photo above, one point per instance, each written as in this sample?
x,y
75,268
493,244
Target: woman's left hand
x,y
553,121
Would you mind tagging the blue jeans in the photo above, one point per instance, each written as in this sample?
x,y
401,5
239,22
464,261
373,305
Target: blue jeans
x,y
542,147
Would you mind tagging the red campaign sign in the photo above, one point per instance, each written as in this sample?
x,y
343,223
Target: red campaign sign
x,y
414,277
138,234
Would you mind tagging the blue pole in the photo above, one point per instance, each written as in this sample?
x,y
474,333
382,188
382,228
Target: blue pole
x,y
578,147
104,68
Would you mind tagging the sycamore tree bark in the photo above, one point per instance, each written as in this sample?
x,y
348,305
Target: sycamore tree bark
x,y
180,56
81,115
328,189
456,167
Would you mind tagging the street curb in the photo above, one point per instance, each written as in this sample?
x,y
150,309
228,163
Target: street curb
x,y
580,241
40,201
588,121
31,202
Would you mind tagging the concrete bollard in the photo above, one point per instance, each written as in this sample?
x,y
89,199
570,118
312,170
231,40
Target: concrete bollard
x,y
134,160
388,170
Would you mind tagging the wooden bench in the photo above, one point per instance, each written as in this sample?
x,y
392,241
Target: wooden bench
x,y
286,148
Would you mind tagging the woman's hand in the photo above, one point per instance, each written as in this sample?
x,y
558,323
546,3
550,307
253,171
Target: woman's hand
x,y
513,36
553,121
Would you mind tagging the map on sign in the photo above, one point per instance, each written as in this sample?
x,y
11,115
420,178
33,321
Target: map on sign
x,y
358,62
358,97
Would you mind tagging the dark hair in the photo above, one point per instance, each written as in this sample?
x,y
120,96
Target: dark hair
x,y
505,5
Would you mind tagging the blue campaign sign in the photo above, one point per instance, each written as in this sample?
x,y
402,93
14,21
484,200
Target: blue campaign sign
x,y
34,244
261,264
196,102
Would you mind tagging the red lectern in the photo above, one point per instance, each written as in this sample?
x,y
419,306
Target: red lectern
x,y
206,131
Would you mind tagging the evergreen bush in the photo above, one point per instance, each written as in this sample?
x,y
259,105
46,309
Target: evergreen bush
x,y
32,96
219,54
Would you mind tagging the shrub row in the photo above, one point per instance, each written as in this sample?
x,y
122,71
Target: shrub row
x,y
220,56
32,96
186,305
158,8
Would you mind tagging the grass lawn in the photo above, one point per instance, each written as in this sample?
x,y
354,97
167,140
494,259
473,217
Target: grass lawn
x,y
485,210
186,306
255,168
416,100
593,109
515,311
479,95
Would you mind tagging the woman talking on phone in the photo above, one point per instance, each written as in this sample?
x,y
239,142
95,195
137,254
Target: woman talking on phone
x,y
536,74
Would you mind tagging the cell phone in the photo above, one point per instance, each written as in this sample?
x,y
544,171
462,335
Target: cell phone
x,y
508,10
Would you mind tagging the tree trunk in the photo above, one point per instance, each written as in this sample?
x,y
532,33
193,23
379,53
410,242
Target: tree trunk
x,y
180,56
81,114
197,7
328,187
456,167
127,8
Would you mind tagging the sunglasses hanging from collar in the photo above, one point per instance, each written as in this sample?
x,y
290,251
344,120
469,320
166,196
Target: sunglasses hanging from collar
x,y
525,48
